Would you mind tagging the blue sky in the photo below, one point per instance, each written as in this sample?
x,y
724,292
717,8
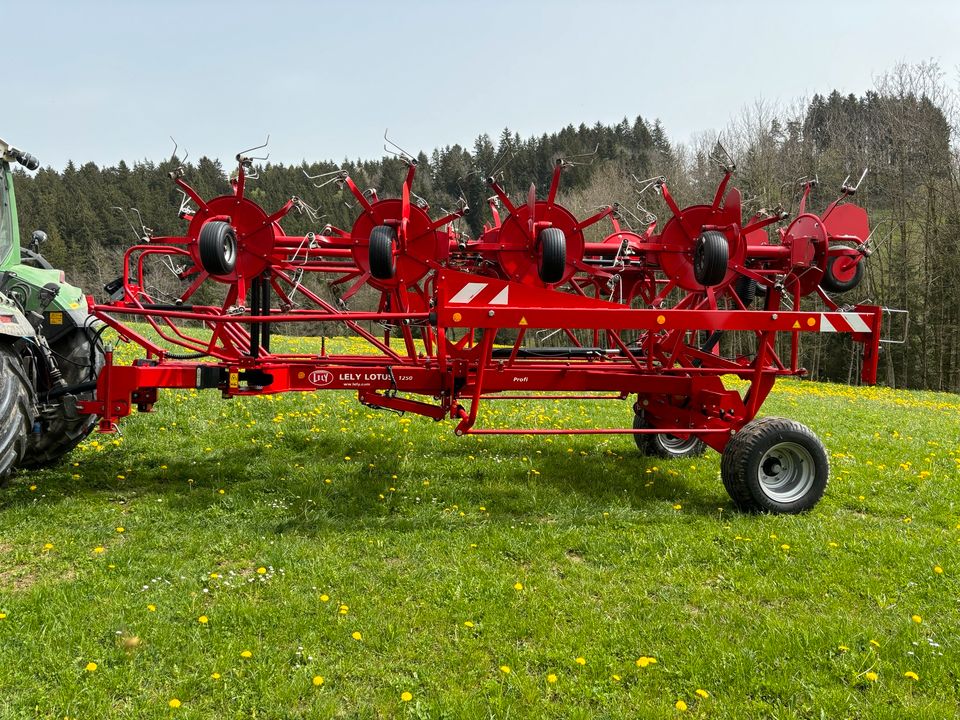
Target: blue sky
x,y
105,81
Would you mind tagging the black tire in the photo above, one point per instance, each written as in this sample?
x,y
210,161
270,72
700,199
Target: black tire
x,y
665,445
746,290
775,465
831,283
218,247
16,411
383,260
711,255
552,263
79,356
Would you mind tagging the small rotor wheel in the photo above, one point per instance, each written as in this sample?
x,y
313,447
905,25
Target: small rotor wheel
x,y
553,255
383,258
665,445
711,255
217,246
841,276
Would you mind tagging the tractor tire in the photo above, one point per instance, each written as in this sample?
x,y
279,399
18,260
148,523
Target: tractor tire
x,y
832,284
553,255
665,445
383,260
711,255
776,466
16,411
217,245
62,426
746,290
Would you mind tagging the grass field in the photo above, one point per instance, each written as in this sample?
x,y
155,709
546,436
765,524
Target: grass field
x,y
305,557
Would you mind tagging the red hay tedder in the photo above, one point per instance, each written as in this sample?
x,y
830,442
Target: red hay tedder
x,y
644,313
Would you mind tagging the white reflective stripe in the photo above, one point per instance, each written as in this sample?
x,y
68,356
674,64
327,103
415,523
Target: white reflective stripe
x,y
825,324
501,298
856,322
468,292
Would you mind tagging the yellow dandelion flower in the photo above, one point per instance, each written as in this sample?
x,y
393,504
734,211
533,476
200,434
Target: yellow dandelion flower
x,y
47,547
916,618
644,661
678,506
615,678
261,571
875,643
551,678
246,654
356,635
406,696
505,669
317,680
938,570
518,586
174,703
32,488
215,676
151,607
3,616
681,706
99,549
702,693
324,598
121,529
911,674
214,575
468,623
203,619
871,676
784,547
842,648
581,661
91,667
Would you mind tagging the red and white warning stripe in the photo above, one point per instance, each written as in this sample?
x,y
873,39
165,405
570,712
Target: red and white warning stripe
x,y
843,322
473,290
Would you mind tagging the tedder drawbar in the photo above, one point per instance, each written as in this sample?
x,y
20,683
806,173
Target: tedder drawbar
x,y
456,320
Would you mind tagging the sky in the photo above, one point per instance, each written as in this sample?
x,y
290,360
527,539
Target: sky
x,y
104,81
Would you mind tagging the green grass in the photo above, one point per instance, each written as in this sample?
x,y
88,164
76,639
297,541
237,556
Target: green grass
x,y
418,532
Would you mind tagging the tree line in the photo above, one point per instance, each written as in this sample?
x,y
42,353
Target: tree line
x,y
904,130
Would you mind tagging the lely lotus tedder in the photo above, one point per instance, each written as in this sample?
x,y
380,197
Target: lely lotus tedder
x,y
457,321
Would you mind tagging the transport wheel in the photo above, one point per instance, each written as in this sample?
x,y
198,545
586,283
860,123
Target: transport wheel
x,y
61,425
665,445
553,254
16,411
835,281
383,261
711,254
775,465
218,247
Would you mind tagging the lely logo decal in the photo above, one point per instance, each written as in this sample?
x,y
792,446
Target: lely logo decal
x,y
321,378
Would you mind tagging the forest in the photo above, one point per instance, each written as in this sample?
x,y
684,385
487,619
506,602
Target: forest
x,y
904,130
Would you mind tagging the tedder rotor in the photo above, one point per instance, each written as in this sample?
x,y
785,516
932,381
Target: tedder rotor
x,y
453,321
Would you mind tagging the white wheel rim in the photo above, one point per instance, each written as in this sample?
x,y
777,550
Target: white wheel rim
x,y
677,446
786,472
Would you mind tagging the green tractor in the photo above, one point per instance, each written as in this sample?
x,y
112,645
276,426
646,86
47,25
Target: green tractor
x,y
50,348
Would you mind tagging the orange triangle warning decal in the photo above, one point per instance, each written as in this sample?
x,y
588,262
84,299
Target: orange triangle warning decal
x,y
796,325
523,320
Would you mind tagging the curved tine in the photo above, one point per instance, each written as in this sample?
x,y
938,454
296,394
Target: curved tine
x,y
126,217
572,160
648,183
147,232
399,151
241,156
333,176
721,157
173,155
504,158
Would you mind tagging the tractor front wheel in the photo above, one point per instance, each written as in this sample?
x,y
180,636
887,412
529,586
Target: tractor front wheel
x,y
16,411
775,465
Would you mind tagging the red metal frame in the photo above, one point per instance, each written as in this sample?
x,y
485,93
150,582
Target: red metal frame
x,y
448,287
